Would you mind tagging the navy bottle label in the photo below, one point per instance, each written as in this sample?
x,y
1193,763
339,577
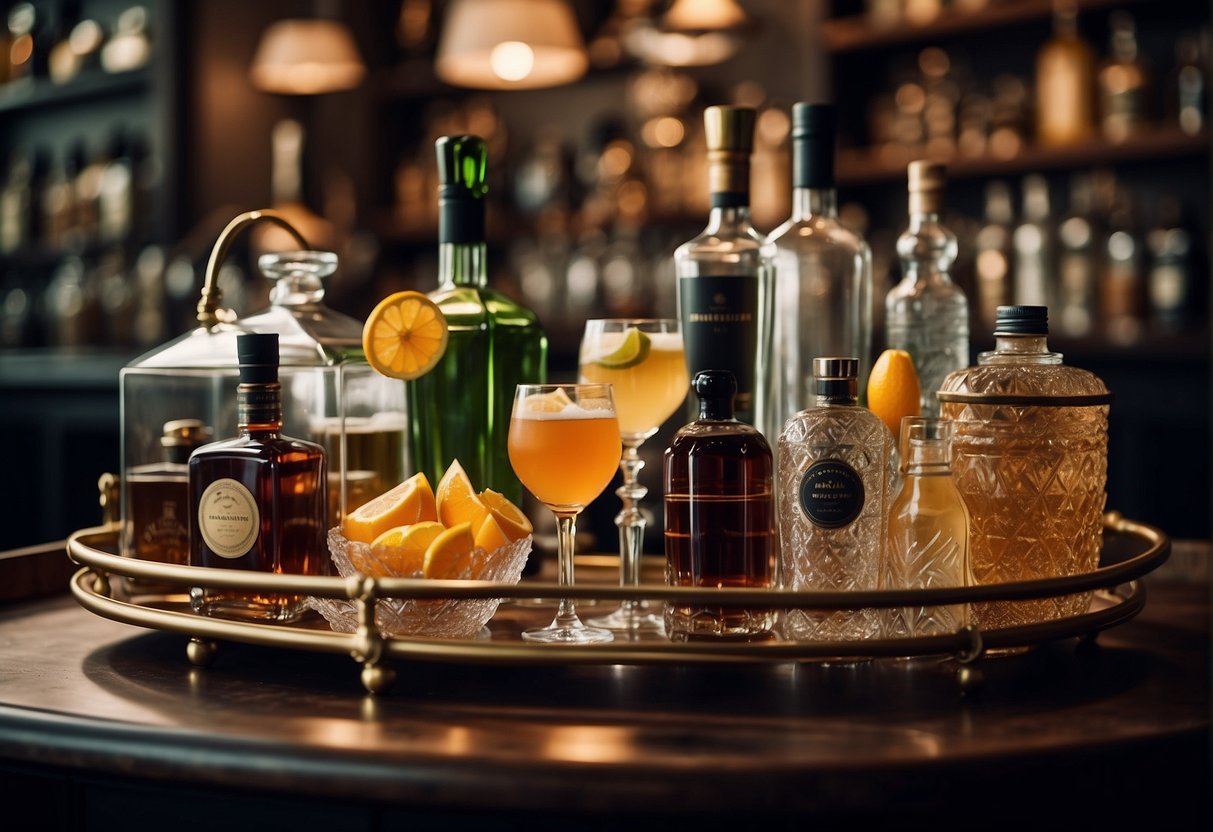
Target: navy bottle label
x,y
831,494
720,330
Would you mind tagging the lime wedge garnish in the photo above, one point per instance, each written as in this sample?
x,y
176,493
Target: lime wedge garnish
x,y
631,351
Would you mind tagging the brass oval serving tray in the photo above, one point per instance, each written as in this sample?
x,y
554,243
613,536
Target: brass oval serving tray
x,y
1118,597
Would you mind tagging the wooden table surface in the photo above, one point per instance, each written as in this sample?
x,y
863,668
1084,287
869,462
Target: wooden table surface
x,y
1116,730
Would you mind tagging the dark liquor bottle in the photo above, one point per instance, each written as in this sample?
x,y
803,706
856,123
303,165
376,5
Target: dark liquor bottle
x,y
719,514
159,497
259,501
725,274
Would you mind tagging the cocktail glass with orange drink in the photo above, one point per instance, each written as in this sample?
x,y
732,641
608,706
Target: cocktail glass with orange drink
x,y
644,362
564,445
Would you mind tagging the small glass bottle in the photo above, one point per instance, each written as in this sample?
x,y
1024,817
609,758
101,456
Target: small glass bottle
x,y
725,274
461,408
926,314
1065,82
159,495
993,252
928,544
1033,242
835,480
1077,261
1030,459
259,501
823,274
1123,83
719,520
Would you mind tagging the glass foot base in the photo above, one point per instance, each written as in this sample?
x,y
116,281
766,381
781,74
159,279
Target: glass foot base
x,y
568,634
631,619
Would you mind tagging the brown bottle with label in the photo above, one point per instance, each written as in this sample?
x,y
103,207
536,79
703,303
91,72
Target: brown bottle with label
x,y
258,501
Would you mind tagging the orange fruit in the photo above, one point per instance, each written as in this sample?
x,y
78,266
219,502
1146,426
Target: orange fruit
x,y
491,536
457,501
893,389
552,402
405,335
410,502
508,516
402,549
446,554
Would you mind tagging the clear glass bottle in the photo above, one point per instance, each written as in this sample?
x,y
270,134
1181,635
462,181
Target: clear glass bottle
x,y
158,529
928,544
992,261
258,502
927,314
835,480
1033,241
461,408
719,514
823,274
1077,272
725,273
1030,458
1123,83
1065,82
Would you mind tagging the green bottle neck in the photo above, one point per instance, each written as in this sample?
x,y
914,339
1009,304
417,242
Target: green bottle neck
x,y
462,264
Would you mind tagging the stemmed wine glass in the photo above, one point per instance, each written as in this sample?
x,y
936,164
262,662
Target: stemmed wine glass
x,y
644,362
564,445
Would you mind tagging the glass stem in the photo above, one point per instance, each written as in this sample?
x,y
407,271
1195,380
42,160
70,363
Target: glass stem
x,y
566,532
630,521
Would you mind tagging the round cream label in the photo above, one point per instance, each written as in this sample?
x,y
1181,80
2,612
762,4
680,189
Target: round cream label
x,y
228,518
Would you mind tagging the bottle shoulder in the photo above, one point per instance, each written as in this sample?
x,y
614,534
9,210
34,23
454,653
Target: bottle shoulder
x,y
818,232
708,437
835,423
1002,378
463,303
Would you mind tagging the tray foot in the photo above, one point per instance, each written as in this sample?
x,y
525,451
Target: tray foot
x,y
201,652
377,677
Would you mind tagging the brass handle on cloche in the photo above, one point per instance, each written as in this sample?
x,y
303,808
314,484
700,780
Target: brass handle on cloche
x,y
208,305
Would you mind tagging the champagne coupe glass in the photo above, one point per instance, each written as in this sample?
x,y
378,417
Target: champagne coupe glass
x,y
564,446
644,362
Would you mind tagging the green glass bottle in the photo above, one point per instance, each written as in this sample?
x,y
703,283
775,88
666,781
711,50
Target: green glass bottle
x,y
461,408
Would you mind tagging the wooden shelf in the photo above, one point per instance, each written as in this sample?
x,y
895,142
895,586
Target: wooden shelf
x,y
863,166
35,93
857,33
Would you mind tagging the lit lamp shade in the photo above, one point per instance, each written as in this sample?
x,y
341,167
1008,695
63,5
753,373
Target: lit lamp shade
x,y
307,57
704,15
510,44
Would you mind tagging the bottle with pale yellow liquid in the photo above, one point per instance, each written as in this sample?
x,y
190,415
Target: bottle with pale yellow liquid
x,y
1030,458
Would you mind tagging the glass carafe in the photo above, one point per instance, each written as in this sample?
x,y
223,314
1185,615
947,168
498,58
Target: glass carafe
x,y
1030,458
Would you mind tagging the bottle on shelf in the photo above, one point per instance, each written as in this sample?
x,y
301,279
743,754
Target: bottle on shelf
x,y
823,275
992,258
1077,261
159,516
719,514
1122,287
928,544
461,408
1030,460
1123,83
1188,87
1171,276
258,502
725,273
17,203
835,477
927,314
1065,82
1033,243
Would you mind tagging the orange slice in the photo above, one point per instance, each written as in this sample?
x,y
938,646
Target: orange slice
x,y
491,536
509,517
410,502
446,554
553,402
457,501
405,335
893,389
402,549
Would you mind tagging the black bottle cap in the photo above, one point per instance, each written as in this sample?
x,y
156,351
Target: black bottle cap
x,y
716,390
258,356
814,131
462,185
1022,320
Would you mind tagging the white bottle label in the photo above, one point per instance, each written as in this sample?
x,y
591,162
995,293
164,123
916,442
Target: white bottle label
x,y
228,518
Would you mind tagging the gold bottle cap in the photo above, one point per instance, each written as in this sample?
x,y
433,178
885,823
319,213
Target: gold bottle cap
x,y
729,132
928,181
192,432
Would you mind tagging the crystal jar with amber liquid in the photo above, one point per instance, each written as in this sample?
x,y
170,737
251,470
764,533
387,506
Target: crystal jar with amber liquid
x,y
719,514
158,526
258,501
1030,458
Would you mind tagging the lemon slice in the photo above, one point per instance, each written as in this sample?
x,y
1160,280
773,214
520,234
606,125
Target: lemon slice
x,y
631,351
405,335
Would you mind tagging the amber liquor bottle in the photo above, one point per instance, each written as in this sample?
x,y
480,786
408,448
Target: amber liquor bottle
x,y
258,500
